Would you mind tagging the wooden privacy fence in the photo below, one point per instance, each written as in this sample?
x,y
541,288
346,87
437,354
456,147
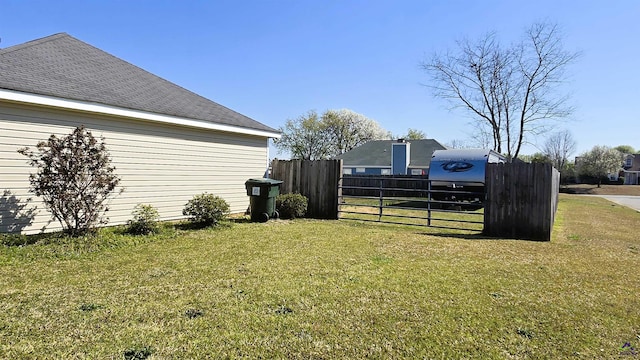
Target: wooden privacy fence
x,y
318,180
521,200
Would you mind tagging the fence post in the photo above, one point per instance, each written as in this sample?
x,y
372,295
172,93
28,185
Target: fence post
x,y
428,202
381,201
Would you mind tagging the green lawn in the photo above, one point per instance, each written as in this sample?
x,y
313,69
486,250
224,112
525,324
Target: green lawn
x,y
309,289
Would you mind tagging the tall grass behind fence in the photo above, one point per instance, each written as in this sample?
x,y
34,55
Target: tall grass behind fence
x,y
318,180
521,200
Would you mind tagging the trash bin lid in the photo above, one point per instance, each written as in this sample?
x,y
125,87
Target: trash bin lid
x,y
263,181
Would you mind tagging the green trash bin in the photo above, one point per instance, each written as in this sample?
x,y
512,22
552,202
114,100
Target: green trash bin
x,y
263,193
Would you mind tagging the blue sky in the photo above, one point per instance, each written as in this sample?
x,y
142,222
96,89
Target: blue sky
x,y
274,60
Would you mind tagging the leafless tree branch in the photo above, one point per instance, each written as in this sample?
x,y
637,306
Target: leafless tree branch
x,y
511,90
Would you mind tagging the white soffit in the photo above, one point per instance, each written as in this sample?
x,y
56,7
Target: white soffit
x,y
77,105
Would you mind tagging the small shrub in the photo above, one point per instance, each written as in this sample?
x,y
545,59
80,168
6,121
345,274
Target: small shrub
x,y
145,220
206,209
291,206
74,179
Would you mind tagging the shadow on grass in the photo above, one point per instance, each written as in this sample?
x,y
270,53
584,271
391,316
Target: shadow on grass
x,y
577,190
24,240
45,238
240,220
410,204
422,205
477,236
188,225
165,230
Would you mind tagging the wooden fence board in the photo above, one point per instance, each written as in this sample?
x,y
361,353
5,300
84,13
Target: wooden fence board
x,y
316,179
521,200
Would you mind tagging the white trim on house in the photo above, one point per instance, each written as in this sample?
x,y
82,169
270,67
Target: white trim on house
x,y
50,101
368,166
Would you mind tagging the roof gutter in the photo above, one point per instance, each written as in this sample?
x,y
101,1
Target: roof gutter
x,y
50,101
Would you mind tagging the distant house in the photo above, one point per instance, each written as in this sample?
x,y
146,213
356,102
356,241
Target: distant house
x,y
631,169
390,157
167,143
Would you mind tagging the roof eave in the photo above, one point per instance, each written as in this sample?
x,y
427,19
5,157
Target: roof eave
x,y
50,101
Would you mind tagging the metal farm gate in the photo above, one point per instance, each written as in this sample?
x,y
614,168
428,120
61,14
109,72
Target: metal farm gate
x,y
409,200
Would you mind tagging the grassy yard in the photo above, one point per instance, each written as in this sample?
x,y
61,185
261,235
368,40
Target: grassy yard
x,y
309,289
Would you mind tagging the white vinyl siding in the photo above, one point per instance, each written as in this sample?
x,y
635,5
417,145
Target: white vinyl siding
x,y
159,164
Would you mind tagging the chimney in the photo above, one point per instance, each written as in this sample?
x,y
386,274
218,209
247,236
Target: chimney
x,y
400,157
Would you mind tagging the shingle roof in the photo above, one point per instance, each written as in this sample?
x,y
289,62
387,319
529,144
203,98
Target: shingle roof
x,y
378,153
64,67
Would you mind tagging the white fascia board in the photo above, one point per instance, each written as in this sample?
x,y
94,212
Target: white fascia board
x,y
78,105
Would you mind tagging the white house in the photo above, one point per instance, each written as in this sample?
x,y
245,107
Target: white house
x,y
166,142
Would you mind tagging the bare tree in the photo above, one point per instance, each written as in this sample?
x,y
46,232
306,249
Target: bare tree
x,y
457,144
482,137
558,147
509,91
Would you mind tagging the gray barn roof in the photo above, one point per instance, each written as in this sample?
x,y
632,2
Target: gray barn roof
x,y
377,153
62,66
